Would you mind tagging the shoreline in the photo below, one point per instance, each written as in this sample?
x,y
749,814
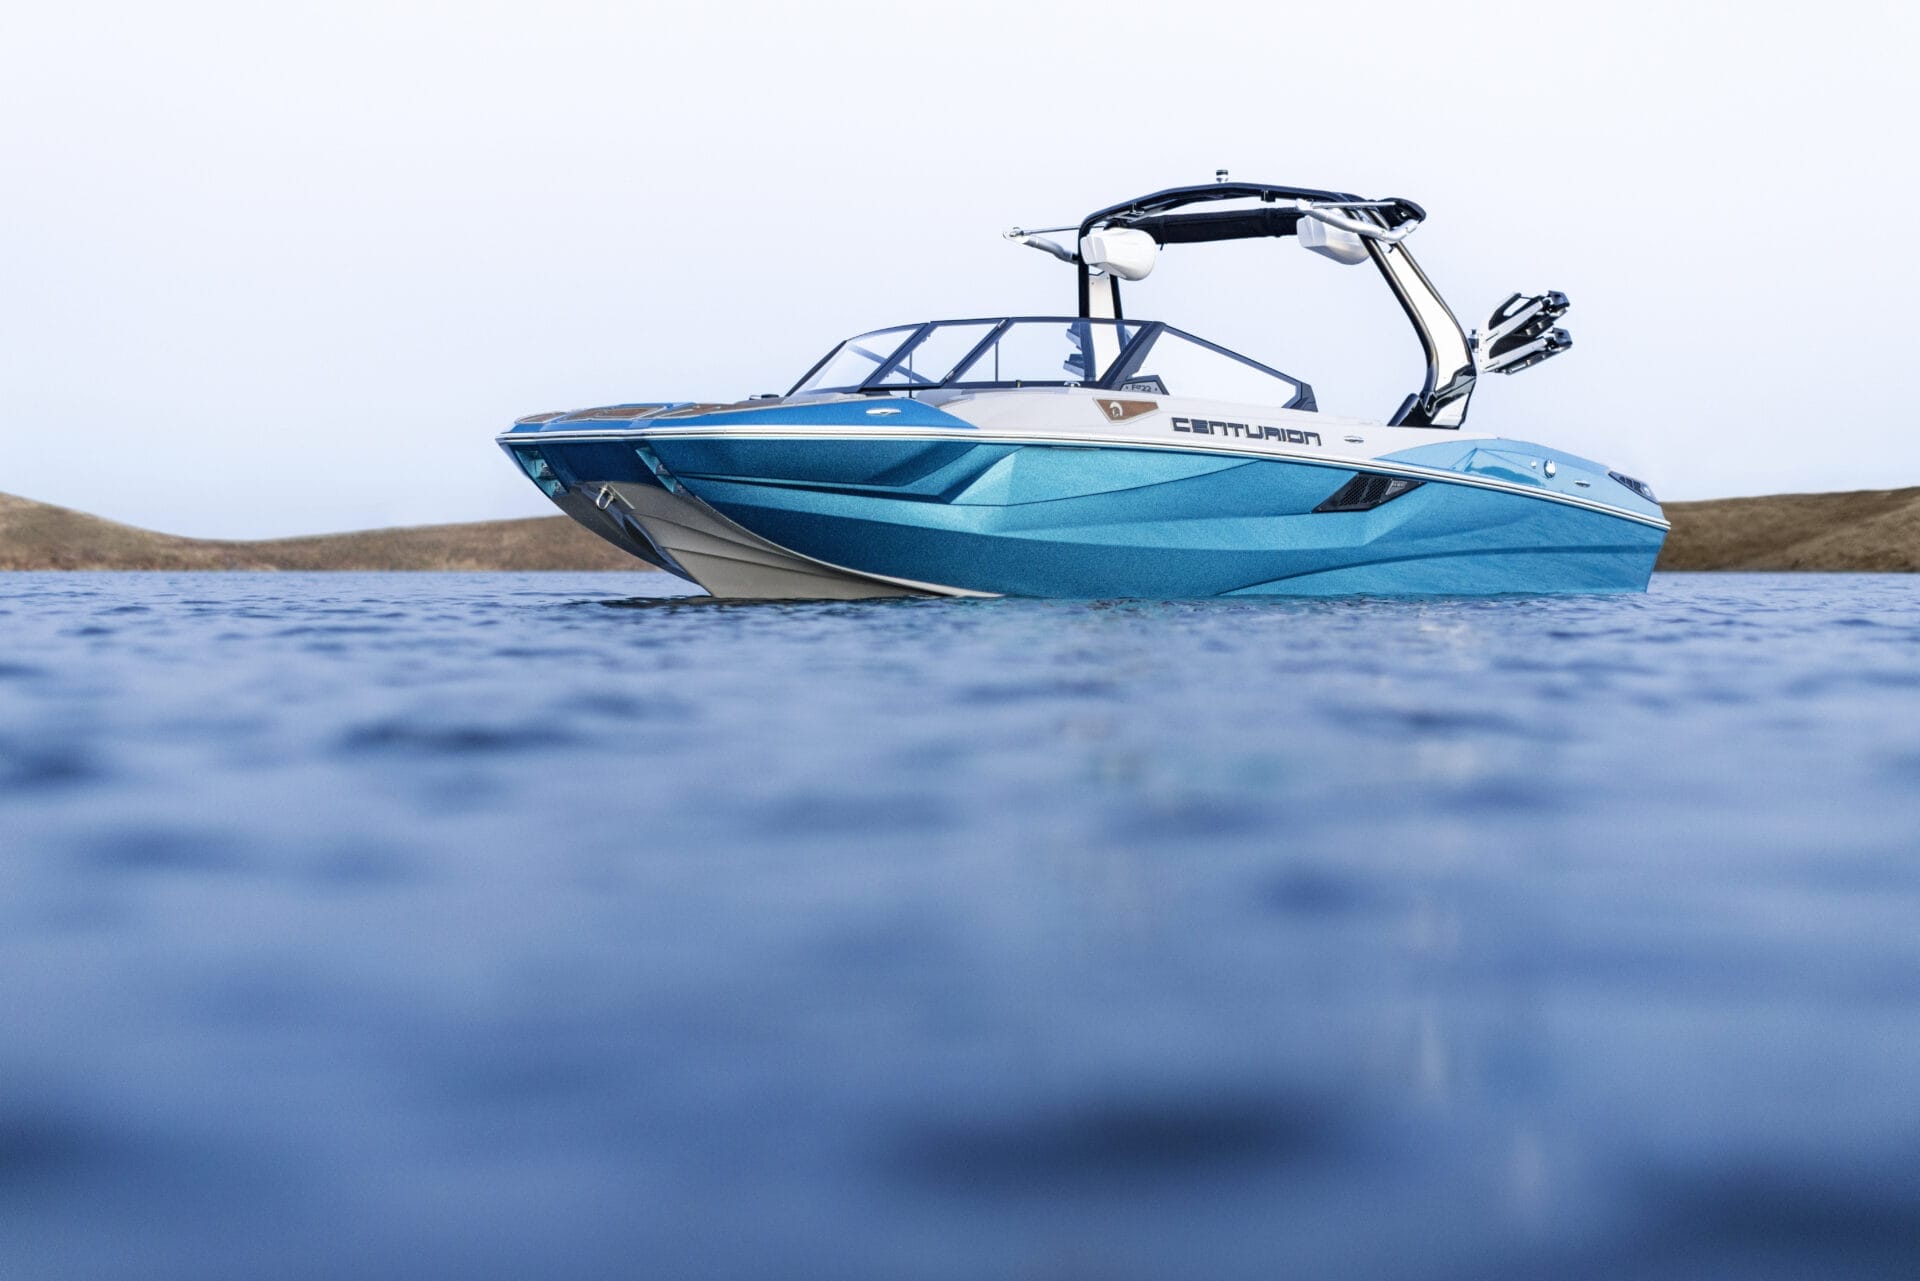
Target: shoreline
x,y
1861,531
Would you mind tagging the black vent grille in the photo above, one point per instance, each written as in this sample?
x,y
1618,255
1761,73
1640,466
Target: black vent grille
x,y
1366,491
1639,487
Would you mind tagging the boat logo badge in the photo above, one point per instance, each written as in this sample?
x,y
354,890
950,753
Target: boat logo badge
x,y
1120,410
1247,431
877,412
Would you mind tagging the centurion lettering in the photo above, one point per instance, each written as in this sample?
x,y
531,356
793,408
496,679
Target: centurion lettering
x,y
1247,431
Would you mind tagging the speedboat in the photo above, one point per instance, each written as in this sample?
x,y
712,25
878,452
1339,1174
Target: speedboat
x,y
1103,455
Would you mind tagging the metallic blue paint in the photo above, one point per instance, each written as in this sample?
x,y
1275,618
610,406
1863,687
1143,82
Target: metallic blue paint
x,y
1052,520
1524,463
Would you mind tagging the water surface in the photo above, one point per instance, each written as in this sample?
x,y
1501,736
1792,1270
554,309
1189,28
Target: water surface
x,y
501,926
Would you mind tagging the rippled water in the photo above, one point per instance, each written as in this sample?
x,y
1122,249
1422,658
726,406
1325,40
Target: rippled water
x,y
508,926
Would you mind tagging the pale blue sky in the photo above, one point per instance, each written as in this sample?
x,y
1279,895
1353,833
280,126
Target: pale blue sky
x,y
273,269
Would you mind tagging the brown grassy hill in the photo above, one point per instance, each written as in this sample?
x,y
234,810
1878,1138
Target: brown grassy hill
x,y
1868,530
39,536
1872,529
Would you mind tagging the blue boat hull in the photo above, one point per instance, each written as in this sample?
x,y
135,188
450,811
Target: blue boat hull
x,y
1044,519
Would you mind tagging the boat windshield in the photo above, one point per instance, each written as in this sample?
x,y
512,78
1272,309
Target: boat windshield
x,y
1049,352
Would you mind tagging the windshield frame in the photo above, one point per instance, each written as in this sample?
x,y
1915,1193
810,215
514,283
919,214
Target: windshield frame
x,y
1131,354
913,334
1136,354
997,326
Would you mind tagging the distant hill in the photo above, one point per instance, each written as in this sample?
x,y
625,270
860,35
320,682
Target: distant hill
x,y
1868,530
39,536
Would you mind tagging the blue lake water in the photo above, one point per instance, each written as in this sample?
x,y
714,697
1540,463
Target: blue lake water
x,y
535,925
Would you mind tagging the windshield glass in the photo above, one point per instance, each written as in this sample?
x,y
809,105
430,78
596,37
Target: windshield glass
x,y
1059,353
1055,351
854,361
930,359
1177,364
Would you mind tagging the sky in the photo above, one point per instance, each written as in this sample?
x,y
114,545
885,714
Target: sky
x,y
279,269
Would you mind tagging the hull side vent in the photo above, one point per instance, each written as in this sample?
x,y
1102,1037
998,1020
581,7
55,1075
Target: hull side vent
x,y
1366,491
1639,487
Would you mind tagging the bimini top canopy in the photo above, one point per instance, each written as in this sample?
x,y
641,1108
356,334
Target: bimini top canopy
x,y
1112,245
1155,214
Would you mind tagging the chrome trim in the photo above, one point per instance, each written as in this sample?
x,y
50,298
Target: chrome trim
x,y
1324,212
1442,400
1033,240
